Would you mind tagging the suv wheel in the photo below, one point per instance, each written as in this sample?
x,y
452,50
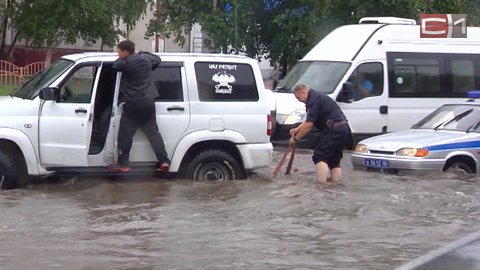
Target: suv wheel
x,y
214,165
8,173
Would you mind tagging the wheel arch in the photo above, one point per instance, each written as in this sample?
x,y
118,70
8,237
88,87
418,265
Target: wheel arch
x,y
467,159
13,151
17,143
218,140
223,145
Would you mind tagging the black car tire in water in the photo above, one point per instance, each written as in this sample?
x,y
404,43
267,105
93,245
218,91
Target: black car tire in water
x,y
8,173
214,165
459,166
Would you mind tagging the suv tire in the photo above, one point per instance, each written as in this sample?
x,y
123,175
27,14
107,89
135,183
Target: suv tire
x,y
8,172
214,164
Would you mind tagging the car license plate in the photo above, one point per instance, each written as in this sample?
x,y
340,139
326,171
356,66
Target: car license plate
x,y
376,163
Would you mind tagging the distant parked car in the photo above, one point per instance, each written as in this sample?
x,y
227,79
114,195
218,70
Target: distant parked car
x,y
447,139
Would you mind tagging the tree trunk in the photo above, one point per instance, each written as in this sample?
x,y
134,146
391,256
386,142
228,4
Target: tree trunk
x,y
12,47
48,56
283,66
4,28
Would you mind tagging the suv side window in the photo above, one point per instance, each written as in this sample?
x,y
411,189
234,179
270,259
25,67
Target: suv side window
x,y
168,83
367,80
78,87
225,82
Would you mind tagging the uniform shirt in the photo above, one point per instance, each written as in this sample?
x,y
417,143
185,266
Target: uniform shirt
x,y
136,75
320,108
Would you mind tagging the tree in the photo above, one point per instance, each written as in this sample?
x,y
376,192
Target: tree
x,y
232,26
47,23
284,30
6,7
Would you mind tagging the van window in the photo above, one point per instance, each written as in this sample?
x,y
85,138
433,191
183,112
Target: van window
x,y
432,74
168,82
417,75
322,76
367,80
225,82
78,87
463,75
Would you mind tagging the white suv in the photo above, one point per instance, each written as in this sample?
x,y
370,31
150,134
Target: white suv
x,y
212,113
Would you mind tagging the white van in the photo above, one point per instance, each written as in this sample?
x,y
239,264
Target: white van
x,y
408,76
212,113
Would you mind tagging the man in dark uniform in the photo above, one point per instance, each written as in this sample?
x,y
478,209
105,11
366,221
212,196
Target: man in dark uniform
x,y
325,113
139,106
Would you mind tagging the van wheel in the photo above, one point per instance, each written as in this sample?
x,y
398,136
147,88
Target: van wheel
x,y
459,167
214,165
8,173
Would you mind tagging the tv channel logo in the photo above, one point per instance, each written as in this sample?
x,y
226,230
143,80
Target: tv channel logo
x,y
443,25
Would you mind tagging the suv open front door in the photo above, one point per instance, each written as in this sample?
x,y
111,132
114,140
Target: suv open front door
x,y
65,124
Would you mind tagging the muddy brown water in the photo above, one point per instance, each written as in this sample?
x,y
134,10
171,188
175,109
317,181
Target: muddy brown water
x,y
373,221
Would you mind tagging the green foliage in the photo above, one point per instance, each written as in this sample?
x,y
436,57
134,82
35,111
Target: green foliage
x,y
6,89
287,29
50,22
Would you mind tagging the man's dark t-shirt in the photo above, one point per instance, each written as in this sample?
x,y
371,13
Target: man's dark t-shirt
x,y
321,108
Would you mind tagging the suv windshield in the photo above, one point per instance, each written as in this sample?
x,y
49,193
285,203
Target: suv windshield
x,y
322,76
452,117
30,88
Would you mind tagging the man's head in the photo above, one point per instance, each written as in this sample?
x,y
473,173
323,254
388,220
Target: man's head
x,y
301,92
125,48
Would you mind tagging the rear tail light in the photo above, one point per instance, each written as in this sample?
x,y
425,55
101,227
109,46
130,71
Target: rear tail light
x,y
269,125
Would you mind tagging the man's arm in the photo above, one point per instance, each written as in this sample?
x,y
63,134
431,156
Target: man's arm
x,y
119,64
153,59
300,131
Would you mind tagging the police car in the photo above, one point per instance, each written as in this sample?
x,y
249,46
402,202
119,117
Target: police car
x,y
447,139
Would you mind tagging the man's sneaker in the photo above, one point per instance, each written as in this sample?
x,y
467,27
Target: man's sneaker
x,y
119,168
163,167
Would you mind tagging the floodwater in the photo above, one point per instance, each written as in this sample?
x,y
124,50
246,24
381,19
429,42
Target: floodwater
x,y
373,221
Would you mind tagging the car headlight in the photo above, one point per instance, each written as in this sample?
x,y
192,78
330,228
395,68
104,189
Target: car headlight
x,y
361,148
412,152
295,117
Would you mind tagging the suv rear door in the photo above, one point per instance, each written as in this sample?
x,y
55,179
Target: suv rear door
x,y
172,108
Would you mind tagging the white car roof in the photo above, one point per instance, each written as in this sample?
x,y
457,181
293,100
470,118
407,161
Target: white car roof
x,y
111,56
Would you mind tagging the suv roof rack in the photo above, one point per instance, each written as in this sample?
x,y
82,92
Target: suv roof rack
x,y
386,20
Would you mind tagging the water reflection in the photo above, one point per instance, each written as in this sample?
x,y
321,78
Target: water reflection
x,y
374,221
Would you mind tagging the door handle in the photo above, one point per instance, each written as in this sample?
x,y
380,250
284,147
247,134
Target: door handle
x,y
384,109
175,108
81,110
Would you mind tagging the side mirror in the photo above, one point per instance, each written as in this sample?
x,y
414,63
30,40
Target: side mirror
x,y
346,95
49,93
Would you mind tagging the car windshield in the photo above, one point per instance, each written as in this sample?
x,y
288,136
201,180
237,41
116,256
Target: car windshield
x,y
452,117
30,89
322,76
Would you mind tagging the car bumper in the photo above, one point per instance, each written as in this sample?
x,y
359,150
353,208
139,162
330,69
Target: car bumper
x,y
256,155
397,164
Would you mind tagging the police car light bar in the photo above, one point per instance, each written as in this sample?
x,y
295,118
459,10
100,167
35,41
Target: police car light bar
x,y
473,94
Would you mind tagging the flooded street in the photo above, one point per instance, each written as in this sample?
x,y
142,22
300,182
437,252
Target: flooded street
x,y
374,221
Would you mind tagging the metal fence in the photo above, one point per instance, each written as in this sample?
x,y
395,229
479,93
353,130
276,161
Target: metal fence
x,y
11,74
